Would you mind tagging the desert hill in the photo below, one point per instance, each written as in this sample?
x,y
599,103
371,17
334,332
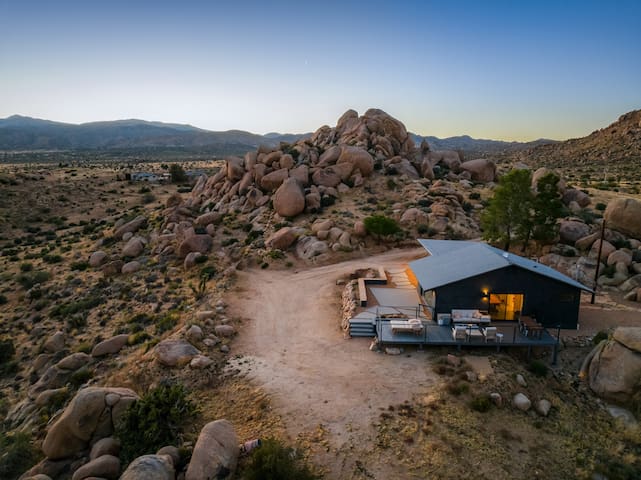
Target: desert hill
x,y
616,144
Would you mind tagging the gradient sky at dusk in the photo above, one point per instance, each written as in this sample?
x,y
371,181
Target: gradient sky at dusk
x,y
491,69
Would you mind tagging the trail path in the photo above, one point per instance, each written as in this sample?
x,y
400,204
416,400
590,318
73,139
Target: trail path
x,y
299,355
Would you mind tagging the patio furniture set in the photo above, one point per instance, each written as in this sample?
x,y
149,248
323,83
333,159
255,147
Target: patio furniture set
x,y
475,332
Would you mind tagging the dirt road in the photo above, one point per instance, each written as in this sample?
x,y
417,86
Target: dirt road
x,y
293,347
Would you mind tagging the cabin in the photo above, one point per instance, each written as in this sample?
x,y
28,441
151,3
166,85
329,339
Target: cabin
x,y
476,276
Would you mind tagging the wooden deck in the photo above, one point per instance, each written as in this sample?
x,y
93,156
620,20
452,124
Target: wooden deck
x,y
436,335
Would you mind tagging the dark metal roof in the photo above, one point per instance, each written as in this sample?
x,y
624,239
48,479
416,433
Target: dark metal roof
x,y
454,260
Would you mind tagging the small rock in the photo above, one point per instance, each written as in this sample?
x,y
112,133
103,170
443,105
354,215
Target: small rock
x,y
224,330
200,361
190,260
205,314
520,380
211,341
471,376
55,342
194,334
224,348
392,351
175,353
496,398
97,258
131,267
453,360
109,346
543,407
521,402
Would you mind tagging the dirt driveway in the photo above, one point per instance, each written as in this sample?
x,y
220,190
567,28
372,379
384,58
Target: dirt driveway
x,y
293,347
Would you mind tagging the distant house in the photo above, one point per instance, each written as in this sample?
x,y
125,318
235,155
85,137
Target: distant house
x,y
474,275
145,177
192,175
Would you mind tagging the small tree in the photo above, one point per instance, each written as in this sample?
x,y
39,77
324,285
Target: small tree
x,y
508,214
547,208
177,173
381,226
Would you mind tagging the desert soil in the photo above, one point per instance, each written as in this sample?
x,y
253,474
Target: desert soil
x,y
319,380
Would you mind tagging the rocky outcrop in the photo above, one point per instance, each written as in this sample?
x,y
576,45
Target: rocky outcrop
x,y
481,169
572,230
90,415
613,372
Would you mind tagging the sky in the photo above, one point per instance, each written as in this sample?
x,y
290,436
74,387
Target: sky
x,y
511,70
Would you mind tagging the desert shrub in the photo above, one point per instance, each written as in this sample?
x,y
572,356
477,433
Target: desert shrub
x,y
482,403
600,206
474,196
7,351
609,270
538,368
79,266
71,308
381,225
29,279
614,468
208,272
599,337
144,190
3,299
422,229
229,241
275,254
154,421
138,337
148,198
621,243
50,258
458,388
26,267
167,322
275,461
18,455
81,376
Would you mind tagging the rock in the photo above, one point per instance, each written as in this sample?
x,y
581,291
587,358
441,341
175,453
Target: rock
x,y
574,195
127,236
453,360
631,296
359,229
520,380
300,173
606,250
205,315
200,361
97,258
312,202
175,353
273,180
130,267
571,230
174,200
200,243
613,373
47,469
134,247
620,256
205,219
624,215
357,157
105,466
194,334
112,268
216,452
481,169
55,342
235,168
471,376
329,156
153,467
326,177
78,424
224,330
496,398
521,402
543,407
74,361
38,476
542,172
224,348
630,337
414,216
132,226
282,239
110,346
105,446
289,199
310,247
322,224
392,351
191,260
171,452
46,396
631,283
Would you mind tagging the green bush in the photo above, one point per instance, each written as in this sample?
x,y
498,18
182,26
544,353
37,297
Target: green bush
x,y
71,308
457,388
599,337
538,368
600,206
3,299
29,279
7,351
154,421
79,266
17,455
26,267
167,322
274,461
381,225
48,258
481,403
81,376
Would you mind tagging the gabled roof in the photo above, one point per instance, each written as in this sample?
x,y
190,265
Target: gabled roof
x,y
454,260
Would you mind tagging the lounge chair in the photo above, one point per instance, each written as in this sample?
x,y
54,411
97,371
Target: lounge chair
x,y
413,325
459,332
490,334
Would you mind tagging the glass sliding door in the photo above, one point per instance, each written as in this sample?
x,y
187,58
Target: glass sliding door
x,y
506,306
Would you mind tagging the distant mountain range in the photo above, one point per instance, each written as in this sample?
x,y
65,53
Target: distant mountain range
x,y
18,133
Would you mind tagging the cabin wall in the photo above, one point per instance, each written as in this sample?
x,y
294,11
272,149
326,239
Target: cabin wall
x,y
553,303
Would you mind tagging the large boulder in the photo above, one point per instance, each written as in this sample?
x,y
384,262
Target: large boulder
x,y
614,370
216,452
357,157
289,199
235,168
309,247
130,227
152,467
200,243
207,218
91,414
97,258
109,346
573,195
326,177
105,466
282,239
134,247
273,180
481,169
175,352
572,230
624,215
